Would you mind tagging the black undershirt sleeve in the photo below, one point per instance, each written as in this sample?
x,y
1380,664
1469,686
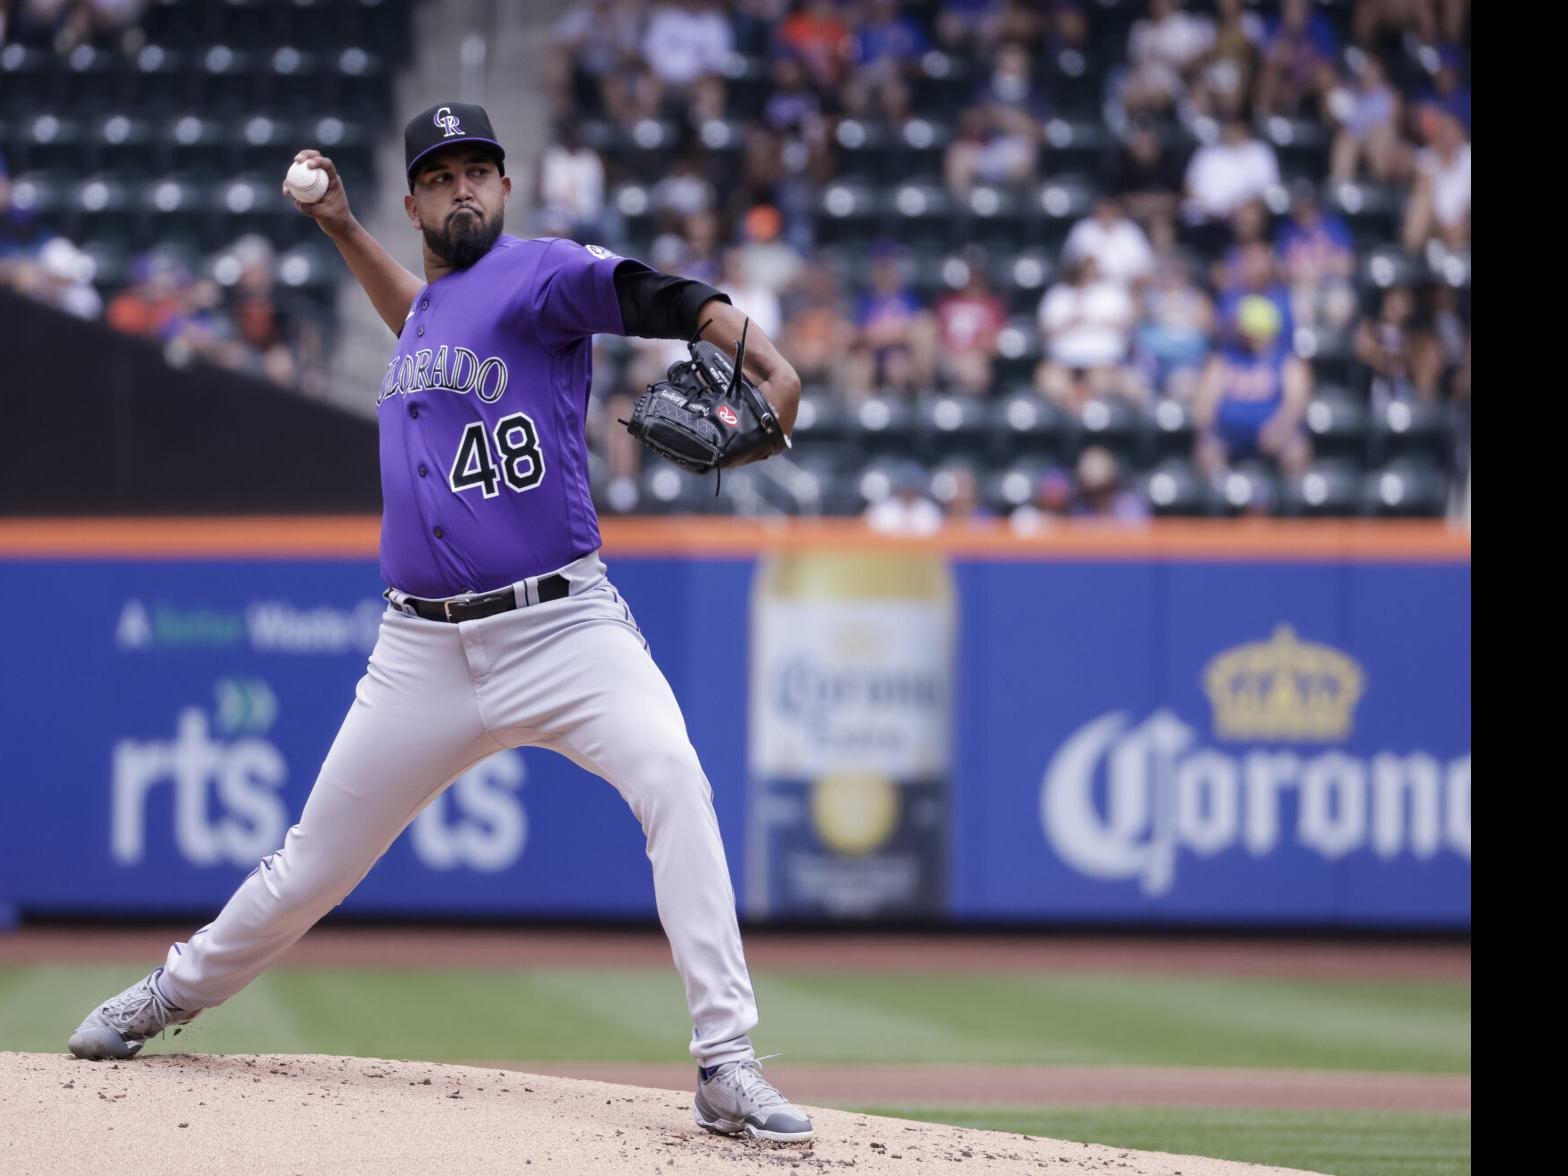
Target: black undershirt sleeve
x,y
660,306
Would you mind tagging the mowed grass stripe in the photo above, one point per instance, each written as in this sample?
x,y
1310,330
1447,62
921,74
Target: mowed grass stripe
x,y
1346,1143
639,1015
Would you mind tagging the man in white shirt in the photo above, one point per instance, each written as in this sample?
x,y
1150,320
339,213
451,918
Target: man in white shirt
x,y
685,41
1225,175
1115,242
1086,322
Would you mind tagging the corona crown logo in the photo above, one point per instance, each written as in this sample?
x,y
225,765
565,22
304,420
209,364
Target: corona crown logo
x,y
1283,689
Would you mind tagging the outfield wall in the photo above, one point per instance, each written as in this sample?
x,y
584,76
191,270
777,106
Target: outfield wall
x,y
1225,724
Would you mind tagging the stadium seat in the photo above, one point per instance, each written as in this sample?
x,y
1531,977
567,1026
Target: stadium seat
x,y
848,213
26,76
1413,429
887,425
1015,484
1249,488
1025,425
952,426
1168,423
1406,488
1174,489
120,143
1337,423
1113,423
922,213
1328,489
994,217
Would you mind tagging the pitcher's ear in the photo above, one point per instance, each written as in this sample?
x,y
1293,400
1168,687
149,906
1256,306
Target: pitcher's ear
x,y
413,213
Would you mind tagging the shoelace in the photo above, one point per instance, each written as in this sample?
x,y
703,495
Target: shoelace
x,y
127,1012
746,1077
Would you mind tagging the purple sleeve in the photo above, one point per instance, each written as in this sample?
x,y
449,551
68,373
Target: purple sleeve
x,y
573,294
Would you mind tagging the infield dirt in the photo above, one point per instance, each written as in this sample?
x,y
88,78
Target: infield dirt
x,y
217,1115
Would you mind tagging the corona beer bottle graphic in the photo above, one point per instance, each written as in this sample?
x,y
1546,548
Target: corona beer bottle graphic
x,y
851,702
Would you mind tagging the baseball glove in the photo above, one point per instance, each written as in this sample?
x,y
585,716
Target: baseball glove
x,y
706,415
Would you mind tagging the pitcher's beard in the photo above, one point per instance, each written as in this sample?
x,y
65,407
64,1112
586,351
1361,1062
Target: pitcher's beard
x,y
463,240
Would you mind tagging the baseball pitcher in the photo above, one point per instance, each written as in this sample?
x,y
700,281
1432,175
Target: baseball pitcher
x,y
502,629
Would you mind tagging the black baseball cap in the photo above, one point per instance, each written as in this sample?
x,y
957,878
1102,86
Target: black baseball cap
x,y
443,125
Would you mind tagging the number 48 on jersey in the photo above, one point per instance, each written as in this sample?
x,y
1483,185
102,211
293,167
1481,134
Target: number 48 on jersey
x,y
513,457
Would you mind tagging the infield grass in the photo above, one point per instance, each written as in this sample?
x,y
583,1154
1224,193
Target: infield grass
x,y
639,1015
1345,1143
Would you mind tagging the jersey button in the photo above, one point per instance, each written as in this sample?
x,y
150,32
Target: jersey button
x,y
413,411
425,305
421,331
423,471
438,532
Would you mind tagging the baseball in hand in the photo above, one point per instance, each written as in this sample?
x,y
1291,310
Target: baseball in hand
x,y
305,183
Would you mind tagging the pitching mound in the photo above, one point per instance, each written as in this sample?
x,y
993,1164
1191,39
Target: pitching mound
x,y
314,1115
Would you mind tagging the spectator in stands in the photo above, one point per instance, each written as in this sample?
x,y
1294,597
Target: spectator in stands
x,y
957,490
797,140
1162,50
1368,134
1173,335
753,298
1249,225
1053,493
571,182
1252,397
593,41
1099,494
771,261
1439,206
701,231
1225,74
18,229
895,328
1255,274
887,42
968,322
962,26
151,300
1116,243
1318,261
819,330
685,40
1447,92
999,136
1431,21
262,324
1406,361
1147,174
817,34
684,190
1086,322
1299,51
908,510
64,280
631,95
1225,175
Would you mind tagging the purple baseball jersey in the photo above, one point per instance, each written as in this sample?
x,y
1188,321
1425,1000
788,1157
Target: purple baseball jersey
x,y
484,463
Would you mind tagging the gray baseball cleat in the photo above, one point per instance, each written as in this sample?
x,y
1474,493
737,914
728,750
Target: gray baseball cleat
x,y
735,1099
118,1027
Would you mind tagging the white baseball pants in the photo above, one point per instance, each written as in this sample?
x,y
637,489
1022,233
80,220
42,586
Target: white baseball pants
x,y
573,675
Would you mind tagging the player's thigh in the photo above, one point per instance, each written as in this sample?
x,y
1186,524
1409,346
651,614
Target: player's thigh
x,y
619,718
412,728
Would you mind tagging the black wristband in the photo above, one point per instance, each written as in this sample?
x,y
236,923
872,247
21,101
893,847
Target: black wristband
x,y
655,305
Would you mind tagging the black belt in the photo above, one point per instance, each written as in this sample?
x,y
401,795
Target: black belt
x,y
552,587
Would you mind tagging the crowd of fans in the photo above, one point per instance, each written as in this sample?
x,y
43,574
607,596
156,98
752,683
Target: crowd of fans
x,y
1201,275
1204,271
227,310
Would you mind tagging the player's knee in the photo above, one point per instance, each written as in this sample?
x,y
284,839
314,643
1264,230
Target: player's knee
x,y
668,777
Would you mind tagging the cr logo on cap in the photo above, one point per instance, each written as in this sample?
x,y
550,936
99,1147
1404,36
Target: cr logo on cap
x,y
447,121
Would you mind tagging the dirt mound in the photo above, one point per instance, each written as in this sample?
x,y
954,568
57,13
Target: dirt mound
x,y
314,1114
